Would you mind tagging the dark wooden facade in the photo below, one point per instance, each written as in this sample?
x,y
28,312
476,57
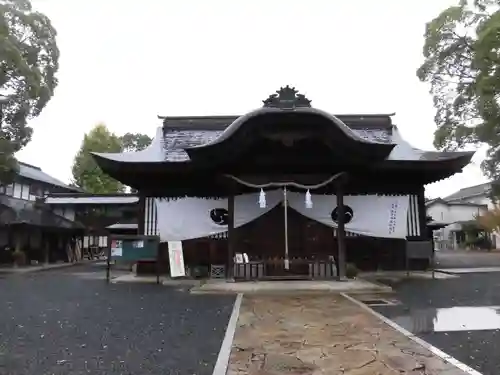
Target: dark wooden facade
x,y
285,141
308,239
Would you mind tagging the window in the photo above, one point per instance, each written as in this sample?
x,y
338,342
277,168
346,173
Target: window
x,y
9,190
36,190
2,189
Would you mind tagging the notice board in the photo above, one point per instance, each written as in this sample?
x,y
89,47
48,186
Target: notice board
x,y
134,248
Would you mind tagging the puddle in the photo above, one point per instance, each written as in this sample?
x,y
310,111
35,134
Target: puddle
x,y
451,319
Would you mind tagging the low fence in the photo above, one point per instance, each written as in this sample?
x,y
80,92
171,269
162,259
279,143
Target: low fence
x,y
259,270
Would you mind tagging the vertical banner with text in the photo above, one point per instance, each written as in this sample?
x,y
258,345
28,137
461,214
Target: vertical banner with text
x,y
176,259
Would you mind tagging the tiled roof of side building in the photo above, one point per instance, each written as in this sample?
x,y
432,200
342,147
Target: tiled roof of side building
x,y
35,173
470,191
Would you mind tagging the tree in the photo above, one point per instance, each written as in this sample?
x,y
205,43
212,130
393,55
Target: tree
x,y
490,220
462,65
134,142
28,64
86,173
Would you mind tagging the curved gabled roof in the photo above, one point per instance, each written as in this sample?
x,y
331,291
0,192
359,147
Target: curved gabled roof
x,y
171,146
242,120
247,129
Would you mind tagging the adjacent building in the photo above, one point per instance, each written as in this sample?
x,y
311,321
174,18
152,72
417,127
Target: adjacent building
x,y
458,213
100,214
30,227
41,216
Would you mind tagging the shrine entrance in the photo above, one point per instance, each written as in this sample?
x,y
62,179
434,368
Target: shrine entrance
x,y
264,242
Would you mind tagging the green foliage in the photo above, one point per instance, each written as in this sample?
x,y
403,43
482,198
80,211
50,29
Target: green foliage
x,y
351,271
462,65
8,163
86,173
135,142
28,64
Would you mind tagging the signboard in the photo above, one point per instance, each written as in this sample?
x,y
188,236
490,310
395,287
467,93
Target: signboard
x,y
116,248
419,249
138,244
176,259
123,249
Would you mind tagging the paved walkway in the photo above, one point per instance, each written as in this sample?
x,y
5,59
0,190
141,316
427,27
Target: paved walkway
x,y
295,286
322,335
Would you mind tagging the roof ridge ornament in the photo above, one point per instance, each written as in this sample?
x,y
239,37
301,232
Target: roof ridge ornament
x,y
287,98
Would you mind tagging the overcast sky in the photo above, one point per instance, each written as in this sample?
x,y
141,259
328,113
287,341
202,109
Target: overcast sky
x,y
123,62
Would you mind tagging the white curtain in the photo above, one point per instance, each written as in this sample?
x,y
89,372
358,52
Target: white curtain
x,y
373,215
189,218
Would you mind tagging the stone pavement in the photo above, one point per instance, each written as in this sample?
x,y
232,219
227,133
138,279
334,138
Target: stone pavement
x,y
292,286
324,334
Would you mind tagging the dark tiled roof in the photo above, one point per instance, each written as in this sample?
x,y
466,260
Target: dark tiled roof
x,y
362,121
438,155
15,211
180,133
35,173
454,203
175,141
470,191
183,132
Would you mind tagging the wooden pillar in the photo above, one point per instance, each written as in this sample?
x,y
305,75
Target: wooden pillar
x,y
422,214
230,237
141,213
341,233
45,247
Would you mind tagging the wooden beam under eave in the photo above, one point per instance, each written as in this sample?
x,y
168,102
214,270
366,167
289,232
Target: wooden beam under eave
x,y
341,231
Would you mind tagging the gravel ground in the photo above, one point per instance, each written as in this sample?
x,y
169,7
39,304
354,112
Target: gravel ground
x,y
69,322
478,349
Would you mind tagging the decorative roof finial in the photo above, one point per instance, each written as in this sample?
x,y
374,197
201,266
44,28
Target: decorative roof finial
x,y
287,98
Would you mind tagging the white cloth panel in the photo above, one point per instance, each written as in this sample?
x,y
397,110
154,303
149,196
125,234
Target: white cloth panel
x,y
189,218
374,215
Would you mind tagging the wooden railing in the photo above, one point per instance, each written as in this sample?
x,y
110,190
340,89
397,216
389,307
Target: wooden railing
x,y
275,269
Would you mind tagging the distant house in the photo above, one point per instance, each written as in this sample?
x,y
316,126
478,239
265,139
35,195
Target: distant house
x,y
26,225
101,214
459,211
41,215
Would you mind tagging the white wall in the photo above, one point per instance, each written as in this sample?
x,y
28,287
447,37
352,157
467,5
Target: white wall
x,y
101,241
452,214
21,191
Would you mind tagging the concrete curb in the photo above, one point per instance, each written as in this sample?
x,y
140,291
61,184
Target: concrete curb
x,y
222,363
462,271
